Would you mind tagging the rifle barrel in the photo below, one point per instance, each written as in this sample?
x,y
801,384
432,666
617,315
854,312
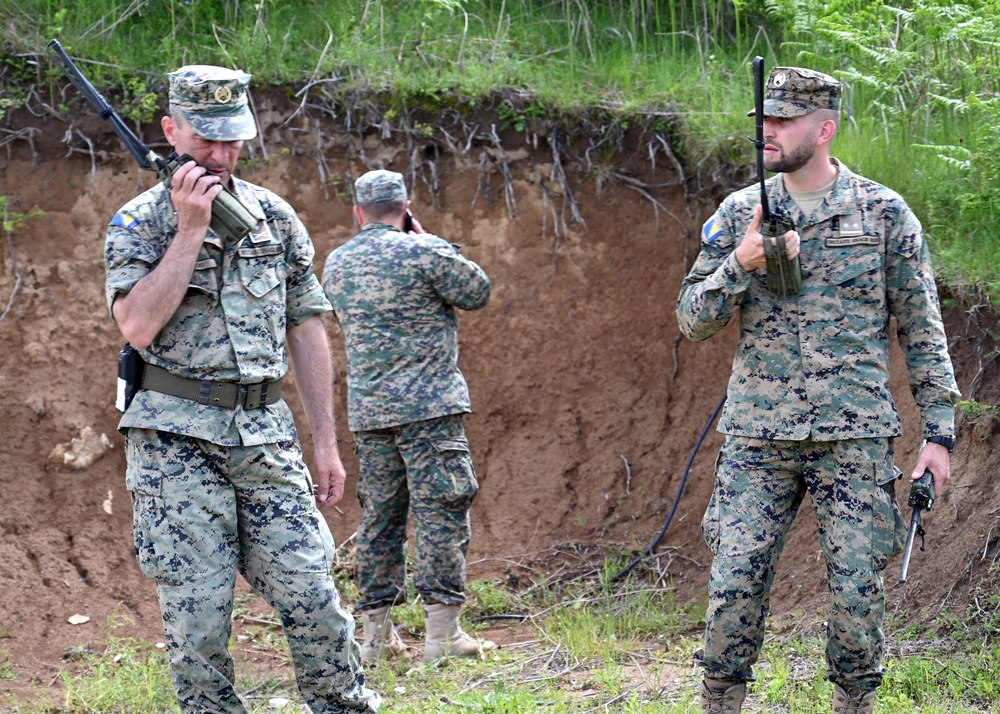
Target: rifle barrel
x,y
914,525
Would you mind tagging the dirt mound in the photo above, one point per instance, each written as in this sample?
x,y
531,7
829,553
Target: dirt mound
x,y
587,400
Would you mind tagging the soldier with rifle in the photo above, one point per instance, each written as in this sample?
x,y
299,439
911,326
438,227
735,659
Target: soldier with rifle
x,y
210,279
809,408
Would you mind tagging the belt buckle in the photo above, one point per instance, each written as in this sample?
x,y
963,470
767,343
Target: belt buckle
x,y
252,396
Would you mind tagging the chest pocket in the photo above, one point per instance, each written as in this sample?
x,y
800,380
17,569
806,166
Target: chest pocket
x,y
262,278
204,278
859,282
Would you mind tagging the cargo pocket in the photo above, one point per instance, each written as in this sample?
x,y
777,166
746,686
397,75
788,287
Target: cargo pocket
x,y
710,522
146,485
457,483
888,526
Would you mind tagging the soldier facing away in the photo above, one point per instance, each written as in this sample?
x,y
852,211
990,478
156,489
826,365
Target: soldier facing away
x,y
808,407
394,294
218,480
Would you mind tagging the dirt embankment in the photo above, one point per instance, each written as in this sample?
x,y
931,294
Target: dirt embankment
x,y
587,401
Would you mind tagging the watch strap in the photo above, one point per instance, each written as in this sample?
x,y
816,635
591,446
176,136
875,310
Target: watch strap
x,y
946,441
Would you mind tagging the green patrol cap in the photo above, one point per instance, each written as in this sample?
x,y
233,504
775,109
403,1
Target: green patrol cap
x,y
214,101
794,92
379,185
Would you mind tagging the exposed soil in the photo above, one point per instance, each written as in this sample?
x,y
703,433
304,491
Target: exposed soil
x,y
587,400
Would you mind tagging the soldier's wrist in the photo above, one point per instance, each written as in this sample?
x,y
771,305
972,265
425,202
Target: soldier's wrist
x,y
947,442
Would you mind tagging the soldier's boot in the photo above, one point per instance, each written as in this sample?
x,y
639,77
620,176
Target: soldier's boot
x,y
380,639
445,638
722,697
853,700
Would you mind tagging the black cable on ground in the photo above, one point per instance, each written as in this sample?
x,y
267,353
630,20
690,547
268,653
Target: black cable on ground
x,y
680,490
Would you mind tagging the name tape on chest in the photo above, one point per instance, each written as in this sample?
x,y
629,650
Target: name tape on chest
x,y
260,251
849,230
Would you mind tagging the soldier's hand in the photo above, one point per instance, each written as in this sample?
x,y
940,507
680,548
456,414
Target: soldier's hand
x,y
330,478
937,458
750,252
192,191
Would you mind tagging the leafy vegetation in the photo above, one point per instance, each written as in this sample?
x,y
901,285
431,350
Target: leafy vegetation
x,y
921,76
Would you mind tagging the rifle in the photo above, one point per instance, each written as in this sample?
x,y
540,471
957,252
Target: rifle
x,y
784,276
921,499
230,218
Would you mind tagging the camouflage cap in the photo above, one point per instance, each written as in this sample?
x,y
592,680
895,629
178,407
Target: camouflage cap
x,y
380,185
793,92
214,101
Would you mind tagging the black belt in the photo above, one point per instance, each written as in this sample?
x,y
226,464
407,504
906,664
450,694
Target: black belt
x,y
214,394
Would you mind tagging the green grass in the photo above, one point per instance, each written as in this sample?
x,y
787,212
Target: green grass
x,y
922,78
585,647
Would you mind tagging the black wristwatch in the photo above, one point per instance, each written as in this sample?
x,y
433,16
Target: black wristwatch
x,y
947,442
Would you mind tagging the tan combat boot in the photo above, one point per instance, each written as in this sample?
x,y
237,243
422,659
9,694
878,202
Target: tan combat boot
x,y
853,700
445,638
380,639
722,697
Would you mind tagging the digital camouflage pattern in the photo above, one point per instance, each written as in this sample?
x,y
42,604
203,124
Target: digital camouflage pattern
x,y
217,490
214,101
759,487
809,409
395,295
423,470
816,364
231,324
793,91
255,514
380,185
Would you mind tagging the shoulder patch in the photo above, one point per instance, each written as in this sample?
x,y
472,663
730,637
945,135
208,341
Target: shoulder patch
x,y
124,220
711,230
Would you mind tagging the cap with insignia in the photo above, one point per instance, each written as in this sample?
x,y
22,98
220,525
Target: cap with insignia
x,y
214,101
793,92
379,185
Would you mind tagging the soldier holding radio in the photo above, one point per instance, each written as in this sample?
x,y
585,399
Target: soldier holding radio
x,y
218,481
808,407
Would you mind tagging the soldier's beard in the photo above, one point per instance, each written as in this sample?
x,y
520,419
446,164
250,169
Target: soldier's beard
x,y
791,161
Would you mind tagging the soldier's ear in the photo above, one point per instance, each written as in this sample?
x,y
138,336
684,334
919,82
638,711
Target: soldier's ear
x,y
169,127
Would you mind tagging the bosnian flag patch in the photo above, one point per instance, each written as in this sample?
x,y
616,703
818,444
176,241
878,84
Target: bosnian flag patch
x,y
711,230
125,220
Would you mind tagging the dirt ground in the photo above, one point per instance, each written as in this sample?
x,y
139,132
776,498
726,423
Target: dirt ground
x,y
587,400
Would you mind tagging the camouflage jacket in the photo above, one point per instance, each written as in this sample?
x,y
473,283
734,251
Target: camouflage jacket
x,y
231,324
816,364
395,296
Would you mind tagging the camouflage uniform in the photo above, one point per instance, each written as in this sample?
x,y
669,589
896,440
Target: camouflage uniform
x,y
218,491
809,410
395,296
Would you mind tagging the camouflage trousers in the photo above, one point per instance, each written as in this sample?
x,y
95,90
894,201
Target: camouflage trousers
x,y
202,512
759,486
423,470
